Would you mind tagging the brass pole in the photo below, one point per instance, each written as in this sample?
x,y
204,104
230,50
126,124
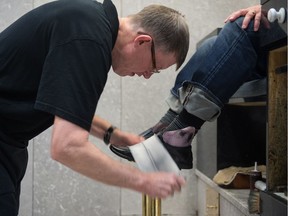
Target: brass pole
x,y
146,205
157,207
151,206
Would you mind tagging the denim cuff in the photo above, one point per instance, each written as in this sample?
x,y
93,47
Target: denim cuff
x,y
174,103
200,104
195,101
175,100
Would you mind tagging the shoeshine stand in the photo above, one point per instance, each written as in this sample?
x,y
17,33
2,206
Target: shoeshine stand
x,y
151,206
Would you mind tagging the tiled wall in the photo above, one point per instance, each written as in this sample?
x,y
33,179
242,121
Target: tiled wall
x,y
132,104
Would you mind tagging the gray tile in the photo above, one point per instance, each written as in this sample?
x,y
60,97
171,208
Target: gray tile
x,y
10,10
60,191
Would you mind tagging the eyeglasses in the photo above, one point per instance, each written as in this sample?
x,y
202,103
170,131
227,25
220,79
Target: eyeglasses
x,y
153,54
154,70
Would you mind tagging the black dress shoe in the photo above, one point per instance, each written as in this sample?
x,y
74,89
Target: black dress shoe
x,y
153,130
147,133
123,152
182,156
177,143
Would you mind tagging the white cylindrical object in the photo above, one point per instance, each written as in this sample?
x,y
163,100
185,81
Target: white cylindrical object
x,y
260,185
273,15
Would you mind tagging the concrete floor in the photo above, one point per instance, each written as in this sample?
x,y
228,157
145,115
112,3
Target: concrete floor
x,y
51,189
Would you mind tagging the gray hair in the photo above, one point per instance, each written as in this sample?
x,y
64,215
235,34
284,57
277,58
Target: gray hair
x,y
168,28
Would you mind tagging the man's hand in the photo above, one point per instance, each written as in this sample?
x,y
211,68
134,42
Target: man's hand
x,y
249,14
162,184
122,139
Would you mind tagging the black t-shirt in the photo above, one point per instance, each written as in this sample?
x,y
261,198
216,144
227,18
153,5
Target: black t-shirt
x,y
54,60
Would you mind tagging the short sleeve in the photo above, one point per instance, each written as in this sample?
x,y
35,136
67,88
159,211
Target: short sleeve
x,y
73,78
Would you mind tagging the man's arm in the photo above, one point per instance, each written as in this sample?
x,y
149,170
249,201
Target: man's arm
x,y
118,137
70,146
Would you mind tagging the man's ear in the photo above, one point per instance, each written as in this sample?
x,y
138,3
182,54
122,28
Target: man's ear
x,y
142,39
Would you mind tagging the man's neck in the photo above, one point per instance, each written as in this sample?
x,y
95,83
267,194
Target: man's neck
x,y
124,38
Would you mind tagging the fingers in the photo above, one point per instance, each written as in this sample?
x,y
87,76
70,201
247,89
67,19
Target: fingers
x,y
167,191
166,185
249,14
248,17
127,139
177,185
235,15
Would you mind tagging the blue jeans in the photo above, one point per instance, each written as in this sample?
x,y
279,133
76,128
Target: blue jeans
x,y
217,69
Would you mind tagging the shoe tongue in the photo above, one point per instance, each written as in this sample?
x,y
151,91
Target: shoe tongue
x,y
151,156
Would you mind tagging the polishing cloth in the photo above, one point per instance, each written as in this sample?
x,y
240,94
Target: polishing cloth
x,y
151,156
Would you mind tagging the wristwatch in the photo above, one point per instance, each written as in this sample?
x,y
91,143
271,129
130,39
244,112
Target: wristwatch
x,y
108,134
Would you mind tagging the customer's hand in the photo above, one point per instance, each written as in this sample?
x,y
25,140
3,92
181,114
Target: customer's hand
x,y
250,13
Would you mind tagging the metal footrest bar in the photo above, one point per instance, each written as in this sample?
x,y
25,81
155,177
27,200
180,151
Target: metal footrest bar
x,y
151,206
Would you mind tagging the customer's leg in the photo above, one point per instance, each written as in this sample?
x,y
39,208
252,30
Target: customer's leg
x,y
217,69
189,69
227,65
